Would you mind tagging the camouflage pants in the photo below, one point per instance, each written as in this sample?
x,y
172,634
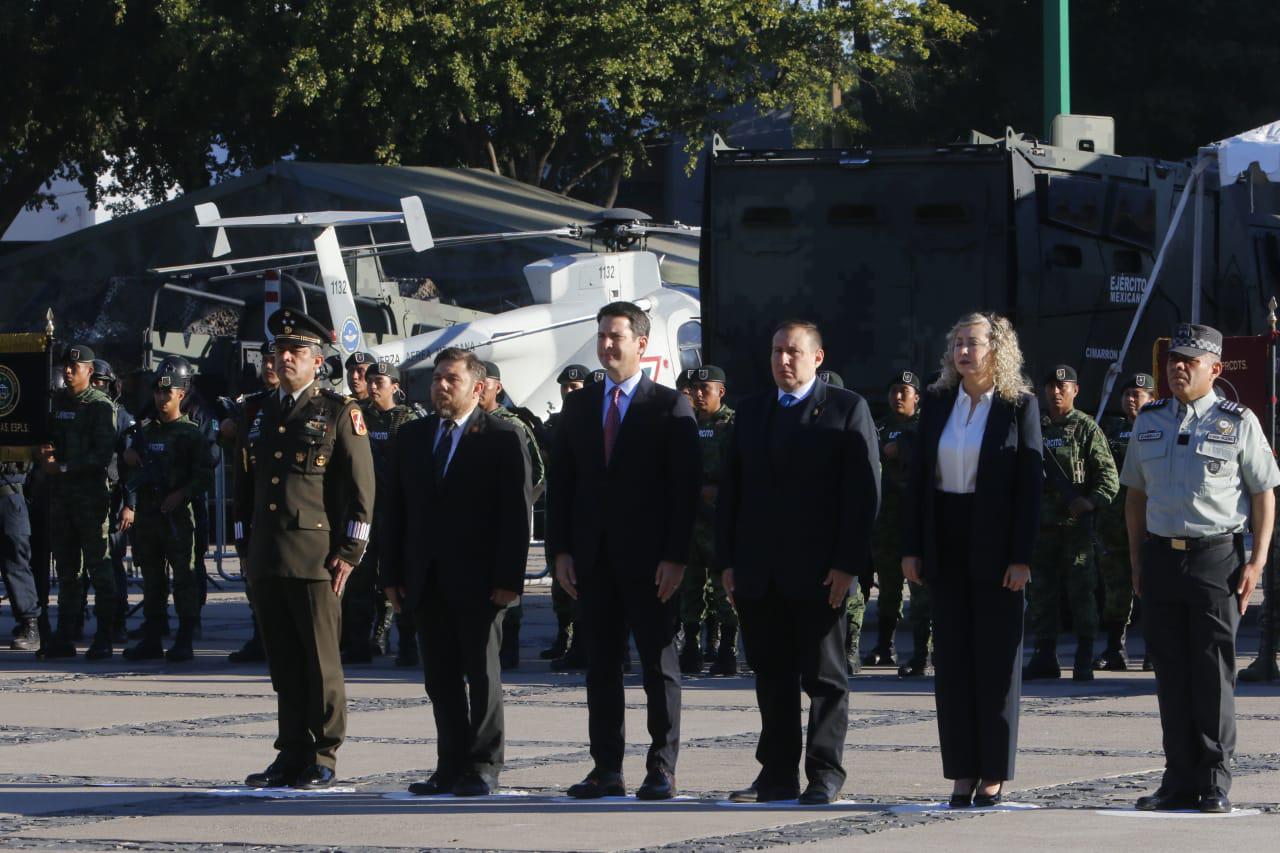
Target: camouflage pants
x,y
1117,574
855,610
80,547
1063,567
920,618
362,601
702,593
162,544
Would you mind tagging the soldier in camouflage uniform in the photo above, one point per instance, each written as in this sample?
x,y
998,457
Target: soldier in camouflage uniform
x,y
897,436
104,379
1080,478
168,468
701,590
571,379
509,656
363,601
1117,581
83,432
357,364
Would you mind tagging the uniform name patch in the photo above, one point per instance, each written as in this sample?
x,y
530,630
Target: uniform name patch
x,y
1151,435
1224,439
1054,442
706,433
66,416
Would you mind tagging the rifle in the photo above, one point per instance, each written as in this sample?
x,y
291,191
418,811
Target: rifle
x,y
1068,492
152,473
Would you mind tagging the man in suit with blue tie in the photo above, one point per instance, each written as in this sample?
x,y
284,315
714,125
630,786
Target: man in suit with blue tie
x,y
798,497
624,484
454,548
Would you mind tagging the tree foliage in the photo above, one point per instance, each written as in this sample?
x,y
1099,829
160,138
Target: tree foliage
x,y
550,92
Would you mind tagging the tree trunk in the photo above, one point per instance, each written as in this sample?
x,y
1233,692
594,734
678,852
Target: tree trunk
x,y
612,195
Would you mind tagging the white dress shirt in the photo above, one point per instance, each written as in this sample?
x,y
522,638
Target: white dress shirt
x,y
458,424
628,387
801,393
961,439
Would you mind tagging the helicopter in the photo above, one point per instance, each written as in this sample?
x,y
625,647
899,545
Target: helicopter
x,y
530,343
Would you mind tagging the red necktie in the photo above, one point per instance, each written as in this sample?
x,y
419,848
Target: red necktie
x,y
612,421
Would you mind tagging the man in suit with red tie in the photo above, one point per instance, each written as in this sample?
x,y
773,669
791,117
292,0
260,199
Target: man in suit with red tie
x,y
798,496
455,543
624,494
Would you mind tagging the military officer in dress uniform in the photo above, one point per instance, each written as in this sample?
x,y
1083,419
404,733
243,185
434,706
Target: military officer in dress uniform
x,y
701,592
1080,478
1200,477
1113,566
304,510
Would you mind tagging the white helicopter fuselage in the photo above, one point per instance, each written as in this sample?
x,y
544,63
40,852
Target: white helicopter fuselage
x,y
531,345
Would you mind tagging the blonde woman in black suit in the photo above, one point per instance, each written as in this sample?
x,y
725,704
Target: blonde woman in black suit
x,y
969,526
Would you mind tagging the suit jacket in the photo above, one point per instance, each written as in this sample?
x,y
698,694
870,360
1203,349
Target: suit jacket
x,y
1007,494
305,487
469,534
792,523
645,499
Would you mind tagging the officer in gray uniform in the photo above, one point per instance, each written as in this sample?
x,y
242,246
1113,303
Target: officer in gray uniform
x,y
1199,474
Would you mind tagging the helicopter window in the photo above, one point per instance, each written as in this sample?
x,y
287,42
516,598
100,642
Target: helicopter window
x,y
1134,218
940,214
423,328
767,217
1077,204
1126,261
852,214
1066,256
689,343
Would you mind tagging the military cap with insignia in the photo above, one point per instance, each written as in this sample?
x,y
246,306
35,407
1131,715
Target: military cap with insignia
x,y
1060,373
268,348
78,354
1140,380
491,370
706,373
831,378
382,368
1194,340
291,326
358,358
573,373
596,376
905,377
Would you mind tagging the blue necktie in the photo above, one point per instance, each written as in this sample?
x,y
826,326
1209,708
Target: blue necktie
x,y
788,400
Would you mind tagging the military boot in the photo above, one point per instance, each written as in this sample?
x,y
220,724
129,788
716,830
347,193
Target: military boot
x,y
100,648
853,660
1044,664
27,635
691,651
62,643
561,643
149,647
726,662
574,659
1082,667
182,650
712,648
509,654
140,633
250,652
882,654
1262,669
407,641
1113,658
382,631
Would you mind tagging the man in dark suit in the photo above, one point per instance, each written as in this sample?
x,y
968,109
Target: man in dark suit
x,y
624,494
304,505
798,497
456,539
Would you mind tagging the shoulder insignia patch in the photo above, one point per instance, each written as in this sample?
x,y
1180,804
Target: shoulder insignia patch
x,y
1155,404
357,421
334,395
1232,408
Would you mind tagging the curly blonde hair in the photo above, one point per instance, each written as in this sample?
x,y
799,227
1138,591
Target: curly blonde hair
x,y
1005,357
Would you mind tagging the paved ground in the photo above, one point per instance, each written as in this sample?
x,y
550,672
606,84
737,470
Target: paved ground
x,y
148,757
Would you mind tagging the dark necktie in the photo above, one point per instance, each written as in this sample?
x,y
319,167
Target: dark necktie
x,y
443,446
612,421
286,406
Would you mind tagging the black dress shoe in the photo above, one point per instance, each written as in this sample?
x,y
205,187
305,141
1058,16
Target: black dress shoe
x,y
818,794
474,785
439,783
277,775
599,783
314,778
657,785
757,793
1214,802
1165,800
986,801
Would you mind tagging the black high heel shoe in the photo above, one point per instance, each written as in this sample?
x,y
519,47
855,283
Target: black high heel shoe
x,y
986,801
963,801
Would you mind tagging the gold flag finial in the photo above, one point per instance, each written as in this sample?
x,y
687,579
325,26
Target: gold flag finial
x,y
1271,313
48,322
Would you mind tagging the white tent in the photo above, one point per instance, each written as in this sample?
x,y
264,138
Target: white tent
x,y
1234,157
